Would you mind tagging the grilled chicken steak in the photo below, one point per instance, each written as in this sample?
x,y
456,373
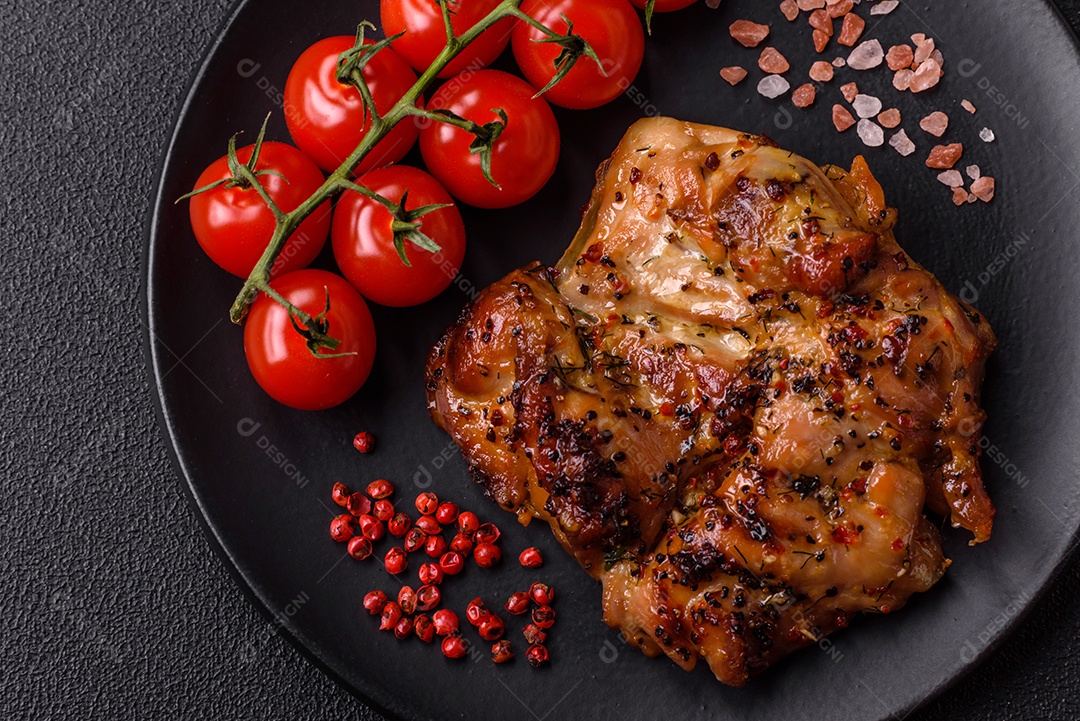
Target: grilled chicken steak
x,y
732,399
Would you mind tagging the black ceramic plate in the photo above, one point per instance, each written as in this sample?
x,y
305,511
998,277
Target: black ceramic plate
x,y
260,474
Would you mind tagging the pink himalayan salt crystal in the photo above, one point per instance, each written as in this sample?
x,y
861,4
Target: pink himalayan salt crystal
x,y
885,7
973,172
935,123
890,118
902,143
959,196
987,135
748,34
899,57
804,96
839,62
773,62
866,106
839,8
821,40
734,75
851,30
850,90
943,157
820,20
807,5
923,51
773,86
927,76
821,72
842,118
866,56
951,178
790,9
966,105
983,188
902,80
871,133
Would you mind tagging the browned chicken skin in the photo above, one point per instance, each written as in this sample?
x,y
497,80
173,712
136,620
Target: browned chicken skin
x,y
731,400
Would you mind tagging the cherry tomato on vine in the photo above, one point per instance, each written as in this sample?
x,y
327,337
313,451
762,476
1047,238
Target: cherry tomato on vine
x,y
611,27
278,355
363,238
234,225
326,117
425,32
524,154
664,6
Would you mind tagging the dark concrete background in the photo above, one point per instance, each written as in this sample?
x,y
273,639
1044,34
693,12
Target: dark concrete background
x,y
113,604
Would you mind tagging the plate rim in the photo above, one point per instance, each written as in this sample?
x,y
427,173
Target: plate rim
x,y
370,694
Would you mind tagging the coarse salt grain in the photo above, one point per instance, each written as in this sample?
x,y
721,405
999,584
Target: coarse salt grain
x,y
885,7
790,9
943,157
839,62
773,86
839,8
841,118
890,118
850,90
973,172
808,5
866,106
987,135
951,178
935,123
899,57
820,20
959,196
983,188
966,105
804,96
821,72
748,34
902,143
923,51
821,40
734,75
851,30
927,76
866,56
871,133
902,79
773,62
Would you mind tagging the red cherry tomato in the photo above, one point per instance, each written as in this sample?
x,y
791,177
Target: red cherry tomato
x,y
664,6
524,154
279,358
364,240
233,224
425,33
611,27
326,117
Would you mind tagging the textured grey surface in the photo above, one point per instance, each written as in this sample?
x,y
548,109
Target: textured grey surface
x,y
113,604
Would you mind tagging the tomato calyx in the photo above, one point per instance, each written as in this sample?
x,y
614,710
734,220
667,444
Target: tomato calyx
x,y
244,175
406,224
573,48
485,135
650,8
351,66
315,330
